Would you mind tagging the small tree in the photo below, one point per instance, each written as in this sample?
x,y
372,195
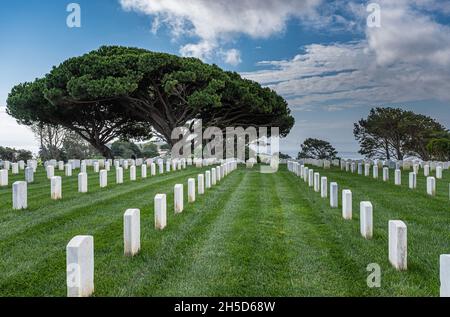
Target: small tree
x,y
149,150
317,149
439,147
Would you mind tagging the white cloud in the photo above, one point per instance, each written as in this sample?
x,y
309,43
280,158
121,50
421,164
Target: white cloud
x,y
220,21
232,57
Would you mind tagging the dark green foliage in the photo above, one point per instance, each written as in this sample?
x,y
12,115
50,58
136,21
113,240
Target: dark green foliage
x,y
317,149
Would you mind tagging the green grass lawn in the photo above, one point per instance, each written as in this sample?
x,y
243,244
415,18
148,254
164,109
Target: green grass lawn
x,y
251,235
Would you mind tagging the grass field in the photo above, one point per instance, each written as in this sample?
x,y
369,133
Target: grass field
x,y
252,235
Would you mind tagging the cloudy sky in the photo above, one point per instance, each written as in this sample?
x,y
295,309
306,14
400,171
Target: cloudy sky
x,y
322,56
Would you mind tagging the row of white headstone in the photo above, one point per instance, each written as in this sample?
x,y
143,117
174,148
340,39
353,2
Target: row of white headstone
x,y
20,188
80,250
397,230
431,181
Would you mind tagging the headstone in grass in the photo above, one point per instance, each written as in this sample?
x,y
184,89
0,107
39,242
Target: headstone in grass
x,y
96,167
416,168
222,171
103,178
310,178
302,170
80,266
353,167
19,193
50,171
208,179
68,169
431,186
132,173
375,171
178,198
412,180
324,187
201,184
306,174
218,174
426,170
160,211
366,219
161,167
4,177
29,175
347,204
444,275
107,166
385,174
125,164
83,167
398,244
432,166
152,169
6,165
21,165
119,175
56,187
360,168
316,182
366,169
438,172
15,168
167,166
398,177
191,190
334,195
213,176
82,183
144,171
132,232
61,165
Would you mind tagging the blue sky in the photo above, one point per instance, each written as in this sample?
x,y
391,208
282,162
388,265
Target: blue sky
x,y
320,55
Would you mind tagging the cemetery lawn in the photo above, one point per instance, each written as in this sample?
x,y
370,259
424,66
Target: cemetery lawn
x,y
252,235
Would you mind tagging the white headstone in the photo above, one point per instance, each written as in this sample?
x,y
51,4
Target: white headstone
x,y
56,187
412,180
153,169
218,173
208,179
444,275
125,164
178,198
431,186
201,184
61,165
310,178
386,174
4,177
161,167
160,211
20,198
426,170
132,173
119,175
29,174
15,168
82,183
366,169
347,204
103,178
80,266
191,190
213,176
96,167
316,182
366,219
398,177
334,195
439,172
323,187
50,171
132,231
144,171
68,169
375,171
398,244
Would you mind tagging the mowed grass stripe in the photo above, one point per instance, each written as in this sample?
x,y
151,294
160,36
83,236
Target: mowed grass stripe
x,y
34,259
427,221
